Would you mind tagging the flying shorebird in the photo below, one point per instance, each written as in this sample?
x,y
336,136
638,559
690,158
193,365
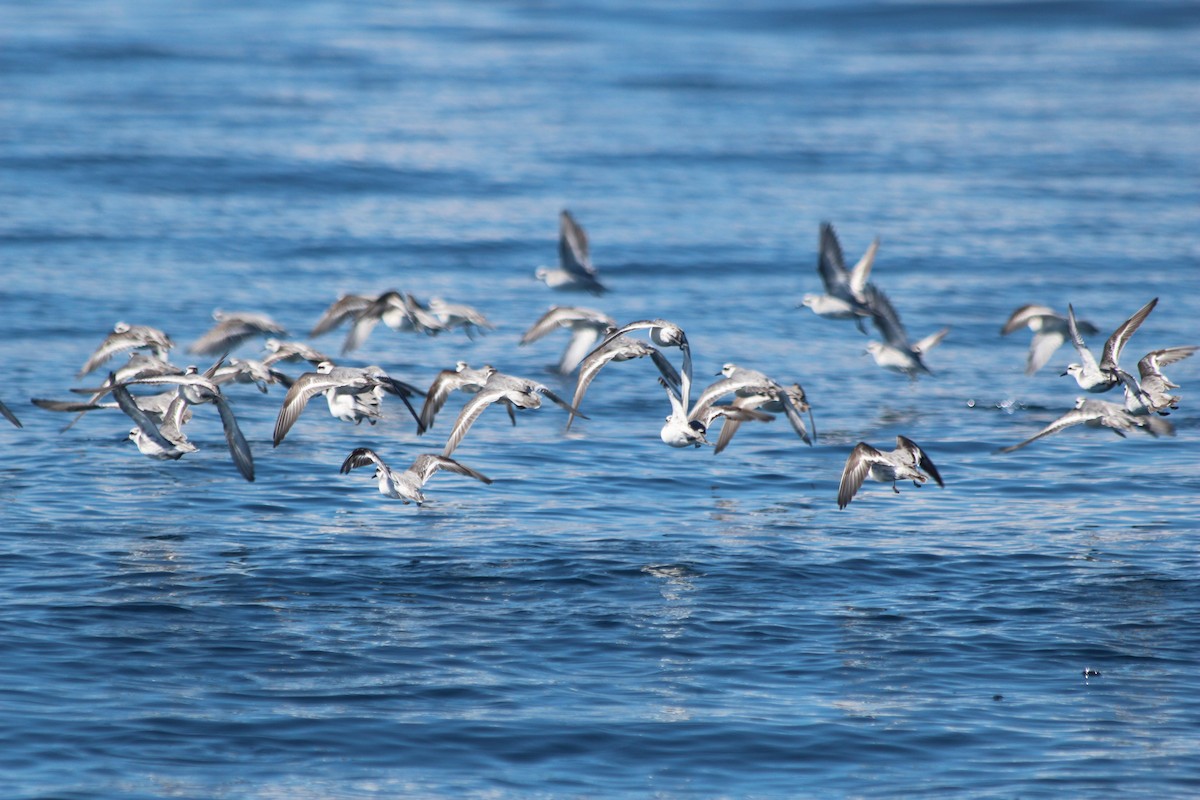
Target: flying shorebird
x,y
688,427
575,271
907,462
193,388
845,290
619,348
1155,396
406,486
586,325
763,403
500,388
128,337
1050,332
1100,414
291,351
458,315
250,370
663,333
755,390
399,311
232,329
460,379
352,394
1097,378
163,440
896,353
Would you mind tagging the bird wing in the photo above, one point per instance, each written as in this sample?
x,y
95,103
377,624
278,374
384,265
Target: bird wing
x,y
239,448
444,384
1085,356
127,404
713,392
297,397
930,341
858,464
886,319
364,323
918,458
831,265
1075,416
862,270
361,457
1154,361
1116,342
222,336
792,412
9,415
113,343
573,247
589,368
428,463
467,416
558,401
1023,315
551,321
1044,345
346,307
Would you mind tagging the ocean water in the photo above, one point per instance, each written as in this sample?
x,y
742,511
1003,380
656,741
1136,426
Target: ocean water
x,y
610,617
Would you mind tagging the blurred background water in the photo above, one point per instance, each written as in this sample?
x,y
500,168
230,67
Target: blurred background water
x,y
611,616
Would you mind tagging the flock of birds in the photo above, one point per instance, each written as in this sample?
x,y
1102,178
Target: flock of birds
x,y
354,394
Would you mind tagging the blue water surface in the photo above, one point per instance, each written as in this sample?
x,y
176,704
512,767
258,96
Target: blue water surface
x,y
610,617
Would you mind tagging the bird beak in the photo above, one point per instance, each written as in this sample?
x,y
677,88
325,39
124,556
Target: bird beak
x,y
1063,374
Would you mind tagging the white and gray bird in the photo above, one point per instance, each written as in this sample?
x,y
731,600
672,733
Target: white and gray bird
x,y
619,348
1099,414
128,337
575,271
352,394
507,390
896,352
908,462
688,427
232,329
406,486
1155,395
399,311
763,404
1050,332
250,370
754,390
1100,377
459,315
194,389
663,333
162,439
845,290
291,351
463,378
587,327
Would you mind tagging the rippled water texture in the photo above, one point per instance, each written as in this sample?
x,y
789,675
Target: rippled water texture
x,y
610,616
